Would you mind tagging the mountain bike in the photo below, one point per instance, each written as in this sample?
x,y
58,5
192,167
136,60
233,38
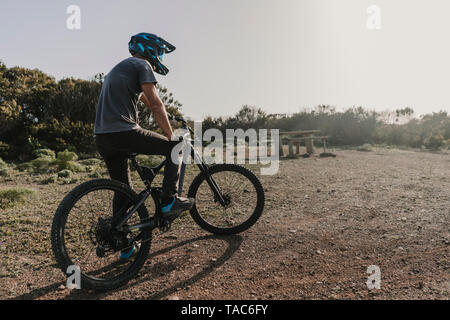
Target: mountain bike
x,y
101,218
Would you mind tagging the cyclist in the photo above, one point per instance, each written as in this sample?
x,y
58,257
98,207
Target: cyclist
x,y
117,131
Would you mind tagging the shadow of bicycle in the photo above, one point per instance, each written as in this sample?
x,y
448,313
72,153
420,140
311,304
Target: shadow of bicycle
x,y
149,272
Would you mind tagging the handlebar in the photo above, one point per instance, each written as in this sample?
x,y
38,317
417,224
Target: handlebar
x,y
179,119
184,122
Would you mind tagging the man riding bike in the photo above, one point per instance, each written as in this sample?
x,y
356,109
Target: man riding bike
x,y
117,131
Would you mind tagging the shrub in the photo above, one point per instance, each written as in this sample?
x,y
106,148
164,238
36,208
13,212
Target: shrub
x,y
50,180
64,133
66,155
39,153
41,164
45,159
4,148
73,166
96,175
65,160
149,161
69,180
25,166
91,162
434,142
64,173
4,170
365,148
10,198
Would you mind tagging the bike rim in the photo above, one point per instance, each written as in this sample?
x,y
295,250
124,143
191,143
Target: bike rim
x,y
81,230
238,190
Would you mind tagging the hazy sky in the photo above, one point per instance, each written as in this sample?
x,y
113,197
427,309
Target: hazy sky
x,y
281,55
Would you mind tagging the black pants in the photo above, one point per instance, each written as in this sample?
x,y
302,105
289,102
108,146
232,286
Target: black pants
x,y
115,147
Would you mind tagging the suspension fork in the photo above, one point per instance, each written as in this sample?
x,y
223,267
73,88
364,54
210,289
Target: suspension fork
x,y
209,179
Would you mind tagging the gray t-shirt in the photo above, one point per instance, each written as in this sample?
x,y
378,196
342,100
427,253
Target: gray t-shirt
x,y
117,106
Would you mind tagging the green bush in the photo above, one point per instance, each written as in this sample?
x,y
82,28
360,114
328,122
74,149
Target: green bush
x,y
64,173
66,155
96,175
65,134
4,169
25,166
148,161
73,166
365,148
45,159
91,162
4,148
41,164
69,180
50,180
10,198
39,153
434,142
65,160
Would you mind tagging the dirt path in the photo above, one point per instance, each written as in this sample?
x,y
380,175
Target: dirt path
x,y
326,221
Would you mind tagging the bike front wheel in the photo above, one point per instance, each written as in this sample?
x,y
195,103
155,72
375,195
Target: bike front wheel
x,y
242,191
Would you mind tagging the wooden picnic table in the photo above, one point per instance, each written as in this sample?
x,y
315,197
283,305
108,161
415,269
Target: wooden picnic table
x,y
296,137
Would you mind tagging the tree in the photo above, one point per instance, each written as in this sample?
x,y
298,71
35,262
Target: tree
x,y
38,111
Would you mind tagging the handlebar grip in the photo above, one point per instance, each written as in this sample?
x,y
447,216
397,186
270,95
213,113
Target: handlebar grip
x,y
180,119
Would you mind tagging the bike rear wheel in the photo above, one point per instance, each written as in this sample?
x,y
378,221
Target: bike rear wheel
x,y
243,192
82,235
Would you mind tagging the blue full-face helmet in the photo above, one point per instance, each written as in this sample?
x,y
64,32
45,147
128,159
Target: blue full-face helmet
x,y
152,48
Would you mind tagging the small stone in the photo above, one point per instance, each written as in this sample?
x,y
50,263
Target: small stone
x,y
174,298
337,288
62,287
319,252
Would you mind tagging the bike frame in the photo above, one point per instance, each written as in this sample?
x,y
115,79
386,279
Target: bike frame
x,y
148,175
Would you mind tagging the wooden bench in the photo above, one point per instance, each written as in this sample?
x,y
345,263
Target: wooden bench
x,y
297,137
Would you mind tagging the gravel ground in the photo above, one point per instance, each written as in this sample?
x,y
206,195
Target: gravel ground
x,y
326,220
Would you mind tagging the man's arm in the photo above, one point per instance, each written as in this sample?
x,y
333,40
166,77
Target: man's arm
x,y
153,102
